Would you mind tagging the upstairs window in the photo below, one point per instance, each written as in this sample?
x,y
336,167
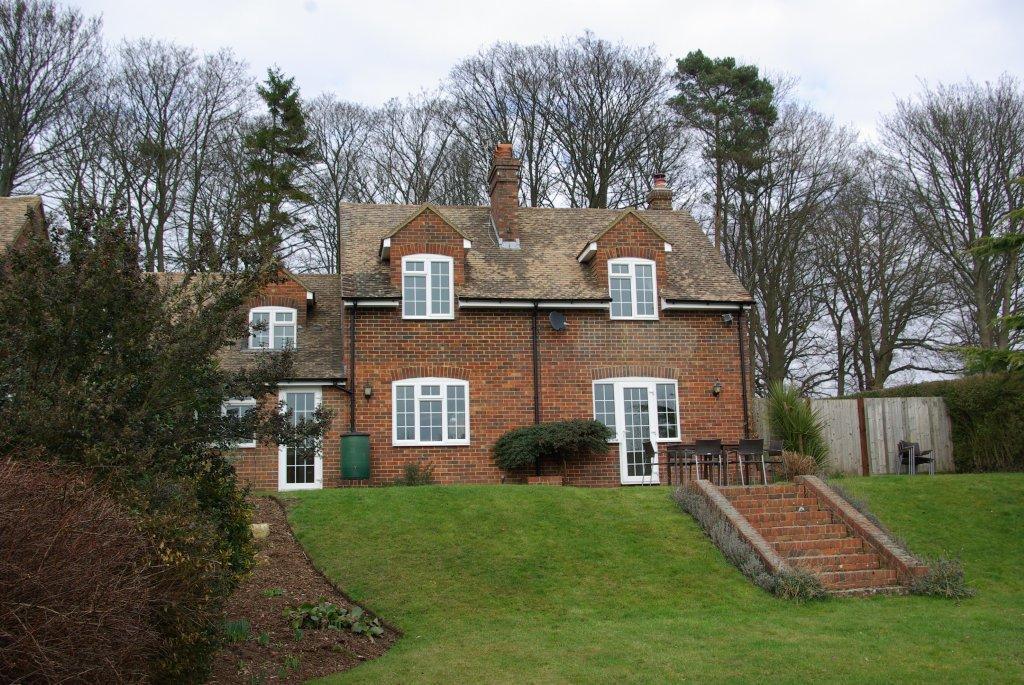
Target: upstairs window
x,y
271,328
430,411
427,287
633,288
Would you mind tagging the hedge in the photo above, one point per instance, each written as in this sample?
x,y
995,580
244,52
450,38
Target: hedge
x,y
987,416
524,447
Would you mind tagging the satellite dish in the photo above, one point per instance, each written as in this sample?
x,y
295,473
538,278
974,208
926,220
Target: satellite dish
x,y
557,320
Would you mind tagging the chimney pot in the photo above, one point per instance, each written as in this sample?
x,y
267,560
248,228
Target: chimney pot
x,y
660,197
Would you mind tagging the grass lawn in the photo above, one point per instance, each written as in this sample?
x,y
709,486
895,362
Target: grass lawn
x,y
541,584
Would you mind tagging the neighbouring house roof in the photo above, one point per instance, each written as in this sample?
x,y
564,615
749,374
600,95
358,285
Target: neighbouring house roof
x,y
545,266
15,216
318,354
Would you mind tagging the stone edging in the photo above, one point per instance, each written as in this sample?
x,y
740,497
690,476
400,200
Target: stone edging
x,y
907,567
775,563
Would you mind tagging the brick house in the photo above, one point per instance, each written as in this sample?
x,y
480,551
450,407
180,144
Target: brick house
x,y
451,325
21,216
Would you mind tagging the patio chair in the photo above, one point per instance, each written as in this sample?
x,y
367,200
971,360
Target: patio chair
x,y
650,457
679,456
751,453
708,454
909,454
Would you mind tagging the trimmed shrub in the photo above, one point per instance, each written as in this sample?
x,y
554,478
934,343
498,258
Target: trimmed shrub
x,y
798,464
564,440
77,588
987,416
798,584
796,423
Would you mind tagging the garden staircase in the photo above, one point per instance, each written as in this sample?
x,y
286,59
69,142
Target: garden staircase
x,y
808,528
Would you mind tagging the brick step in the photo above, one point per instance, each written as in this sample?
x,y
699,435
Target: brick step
x,y
850,580
733,491
761,506
789,518
787,533
871,591
863,561
798,548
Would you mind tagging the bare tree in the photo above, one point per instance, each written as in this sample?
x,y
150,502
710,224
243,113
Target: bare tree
x,y
340,134
958,149
418,156
883,282
48,59
500,95
774,213
609,118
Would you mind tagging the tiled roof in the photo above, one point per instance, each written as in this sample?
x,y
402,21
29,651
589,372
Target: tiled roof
x,y
545,266
14,215
318,350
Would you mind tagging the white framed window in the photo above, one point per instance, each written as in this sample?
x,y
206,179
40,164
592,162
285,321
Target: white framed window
x,y
272,328
633,287
427,287
237,408
610,405
430,411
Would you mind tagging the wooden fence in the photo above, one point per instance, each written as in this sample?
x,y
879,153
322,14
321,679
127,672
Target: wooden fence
x,y
866,436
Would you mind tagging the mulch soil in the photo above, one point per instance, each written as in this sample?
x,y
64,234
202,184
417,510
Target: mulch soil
x,y
282,564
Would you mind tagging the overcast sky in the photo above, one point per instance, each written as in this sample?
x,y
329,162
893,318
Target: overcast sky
x,y
853,59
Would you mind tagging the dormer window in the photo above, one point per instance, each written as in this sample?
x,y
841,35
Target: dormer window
x,y
427,290
271,328
632,285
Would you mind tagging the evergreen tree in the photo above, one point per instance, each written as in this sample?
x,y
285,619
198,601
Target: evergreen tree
x,y
277,149
730,106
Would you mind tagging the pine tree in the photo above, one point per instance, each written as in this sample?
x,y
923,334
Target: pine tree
x,y
276,149
730,106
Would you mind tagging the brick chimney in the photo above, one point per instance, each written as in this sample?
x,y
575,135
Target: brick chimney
x,y
503,186
660,197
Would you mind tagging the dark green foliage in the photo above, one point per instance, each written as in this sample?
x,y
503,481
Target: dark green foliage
x,y
794,422
277,150
115,371
798,584
326,615
987,416
417,474
945,578
556,440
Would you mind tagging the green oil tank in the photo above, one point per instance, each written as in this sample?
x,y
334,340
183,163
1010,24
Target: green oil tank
x,y
355,456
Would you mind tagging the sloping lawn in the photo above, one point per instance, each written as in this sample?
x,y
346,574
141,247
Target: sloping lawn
x,y
540,584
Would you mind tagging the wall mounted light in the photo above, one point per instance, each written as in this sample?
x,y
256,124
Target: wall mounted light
x,y
716,389
368,391
727,319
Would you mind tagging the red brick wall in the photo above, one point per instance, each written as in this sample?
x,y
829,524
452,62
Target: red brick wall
x,y
282,292
630,237
428,233
492,350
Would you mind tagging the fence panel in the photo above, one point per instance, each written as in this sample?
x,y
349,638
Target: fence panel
x,y
887,421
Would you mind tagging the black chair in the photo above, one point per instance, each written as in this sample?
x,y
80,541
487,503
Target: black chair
x,y
680,456
751,453
911,456
709,453
650,459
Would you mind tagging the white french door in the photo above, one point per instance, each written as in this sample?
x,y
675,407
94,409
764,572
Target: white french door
x,y
637,428
300,467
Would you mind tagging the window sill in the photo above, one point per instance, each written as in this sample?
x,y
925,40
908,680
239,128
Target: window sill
x,y
635,318
439,317
419,443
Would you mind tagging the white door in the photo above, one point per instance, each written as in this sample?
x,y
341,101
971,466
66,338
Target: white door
x,y
302,467
635,417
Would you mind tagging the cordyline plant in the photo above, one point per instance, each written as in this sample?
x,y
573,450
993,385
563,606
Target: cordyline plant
x,y
116,370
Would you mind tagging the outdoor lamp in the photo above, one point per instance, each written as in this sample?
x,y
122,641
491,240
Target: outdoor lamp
x,y
368,391
716,389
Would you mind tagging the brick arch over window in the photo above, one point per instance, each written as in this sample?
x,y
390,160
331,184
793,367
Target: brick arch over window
x,y
280,301
635,252
635,370
429,371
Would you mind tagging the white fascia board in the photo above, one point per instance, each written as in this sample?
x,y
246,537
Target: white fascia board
x,y
495,304
372,303
587,253
668,247
385,248
702,306
466,243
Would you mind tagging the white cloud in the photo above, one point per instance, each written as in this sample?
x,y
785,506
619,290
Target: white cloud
x,y
852,58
